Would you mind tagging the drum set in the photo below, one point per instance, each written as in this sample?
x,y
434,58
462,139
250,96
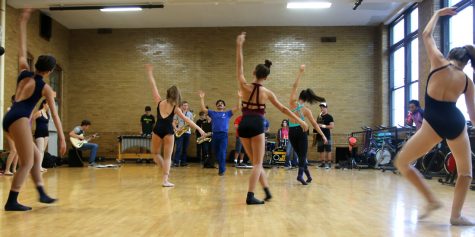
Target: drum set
x,y
275,153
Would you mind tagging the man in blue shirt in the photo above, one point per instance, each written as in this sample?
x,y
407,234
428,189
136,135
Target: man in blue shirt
x,y
219,127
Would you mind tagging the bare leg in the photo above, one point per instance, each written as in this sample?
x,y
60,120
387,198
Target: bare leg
x,y
23,142
254,148
460,148
168,142
40,144
12,156
417,146
155,150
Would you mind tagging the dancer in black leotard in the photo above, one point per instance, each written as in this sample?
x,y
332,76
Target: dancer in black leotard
x,y
251,128
297,137
163,131
41,132
16,123
442,120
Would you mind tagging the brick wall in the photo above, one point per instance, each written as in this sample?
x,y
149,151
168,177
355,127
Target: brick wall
x,y
107,83
58,46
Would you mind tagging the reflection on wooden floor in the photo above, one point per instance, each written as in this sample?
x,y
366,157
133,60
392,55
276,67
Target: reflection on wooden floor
x,y
129,201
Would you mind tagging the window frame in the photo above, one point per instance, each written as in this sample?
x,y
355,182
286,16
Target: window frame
x,y
393,47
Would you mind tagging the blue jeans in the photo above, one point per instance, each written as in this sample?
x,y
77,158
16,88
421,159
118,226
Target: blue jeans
x,y
181,148
220,144
289,152
93,147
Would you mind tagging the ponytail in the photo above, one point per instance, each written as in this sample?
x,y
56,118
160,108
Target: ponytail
x,y
471,54
310,97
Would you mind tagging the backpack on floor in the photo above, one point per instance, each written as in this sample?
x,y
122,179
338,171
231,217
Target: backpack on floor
x,y
49,161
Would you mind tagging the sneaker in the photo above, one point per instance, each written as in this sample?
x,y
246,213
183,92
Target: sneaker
x,y
92,164
221,174
322,165
327,166
183,164
175,165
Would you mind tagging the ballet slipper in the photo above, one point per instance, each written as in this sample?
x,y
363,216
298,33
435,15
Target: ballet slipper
x,y
168,185
461,221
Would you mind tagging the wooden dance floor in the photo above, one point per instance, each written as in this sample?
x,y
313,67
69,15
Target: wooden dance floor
x,y
129,201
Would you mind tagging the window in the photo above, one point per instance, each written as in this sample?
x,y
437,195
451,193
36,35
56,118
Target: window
x,y
404,63
458,31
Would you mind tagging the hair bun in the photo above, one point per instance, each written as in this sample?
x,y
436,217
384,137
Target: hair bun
x,y
268,63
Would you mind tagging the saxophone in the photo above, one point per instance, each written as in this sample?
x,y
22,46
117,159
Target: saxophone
x,y
179,132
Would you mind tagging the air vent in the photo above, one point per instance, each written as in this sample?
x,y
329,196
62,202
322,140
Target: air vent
x,y
104,31
328,39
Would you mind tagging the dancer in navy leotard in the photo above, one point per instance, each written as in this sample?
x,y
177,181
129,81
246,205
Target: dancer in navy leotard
x,y
442,120
251,128
29,90
163,131
297,137
41,132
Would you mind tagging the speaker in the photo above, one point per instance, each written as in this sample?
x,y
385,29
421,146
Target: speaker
x,y
45,26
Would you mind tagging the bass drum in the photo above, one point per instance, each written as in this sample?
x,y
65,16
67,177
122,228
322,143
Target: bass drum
x,y
383,157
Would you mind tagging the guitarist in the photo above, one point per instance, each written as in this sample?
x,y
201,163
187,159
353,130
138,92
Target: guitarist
x,y
79,132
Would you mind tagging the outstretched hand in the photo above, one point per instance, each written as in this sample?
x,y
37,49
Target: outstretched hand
x,y
448,11
239,93
201,94
241,38
302,68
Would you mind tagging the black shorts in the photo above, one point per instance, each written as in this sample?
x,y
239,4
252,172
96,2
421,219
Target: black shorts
x,y
321,147
251,126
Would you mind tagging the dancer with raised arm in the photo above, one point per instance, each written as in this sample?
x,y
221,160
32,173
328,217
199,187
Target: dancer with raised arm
x,y
163,132
16,122
298,138
251,128
443,120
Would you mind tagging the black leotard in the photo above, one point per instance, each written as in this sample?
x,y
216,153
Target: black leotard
x,y
444,116
41,127
23,109
164,126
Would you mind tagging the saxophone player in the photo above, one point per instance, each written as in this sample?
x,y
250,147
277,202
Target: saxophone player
x,y
183,133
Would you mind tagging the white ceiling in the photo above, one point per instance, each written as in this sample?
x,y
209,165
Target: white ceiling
x,y
218,13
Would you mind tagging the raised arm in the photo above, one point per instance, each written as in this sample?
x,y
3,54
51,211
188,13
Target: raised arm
x,y
23,57
293,93
273,99
239,60
189,121
202,101
435,56
49,94
308,114
239,104
151,79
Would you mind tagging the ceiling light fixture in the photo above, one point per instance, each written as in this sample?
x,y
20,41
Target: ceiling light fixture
x,y
308,5
121,9
106,8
